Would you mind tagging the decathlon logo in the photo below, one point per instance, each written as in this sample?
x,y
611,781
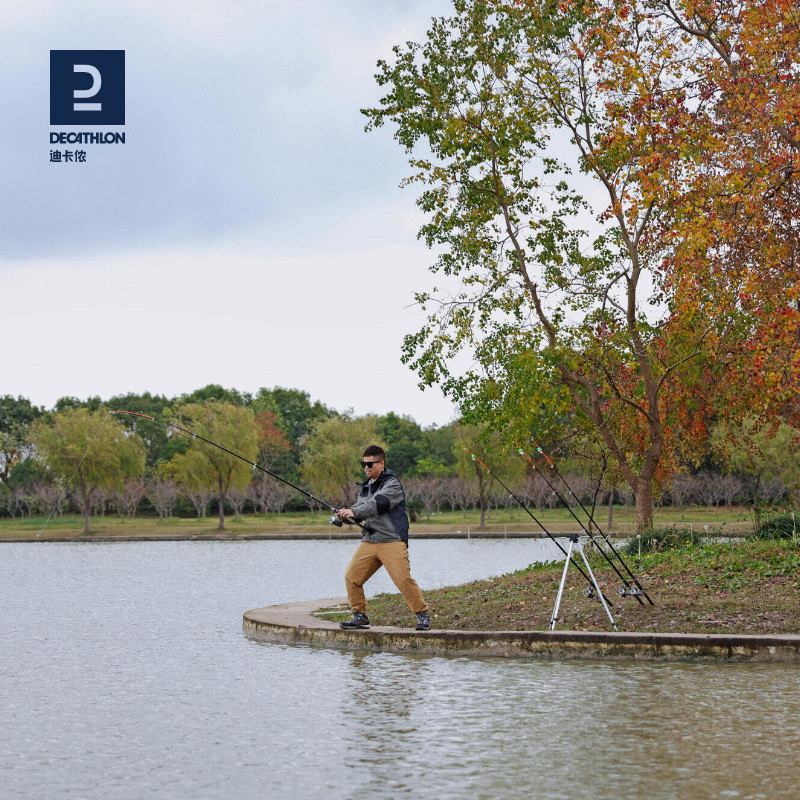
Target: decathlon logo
x,y
87,87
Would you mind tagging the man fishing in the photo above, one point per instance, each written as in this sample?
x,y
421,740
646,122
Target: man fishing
x,y
381,505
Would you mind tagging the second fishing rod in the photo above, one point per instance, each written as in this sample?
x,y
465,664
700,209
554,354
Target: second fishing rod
x,y
333,520
632,591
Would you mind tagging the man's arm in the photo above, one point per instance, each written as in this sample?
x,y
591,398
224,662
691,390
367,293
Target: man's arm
x,y
390,495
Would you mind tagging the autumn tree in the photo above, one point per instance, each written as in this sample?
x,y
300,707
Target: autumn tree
x,y
295,415
736,223
274,449
127,499
591,294
114,456
203,465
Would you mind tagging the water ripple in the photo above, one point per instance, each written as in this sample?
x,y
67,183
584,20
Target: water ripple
x,y
124,673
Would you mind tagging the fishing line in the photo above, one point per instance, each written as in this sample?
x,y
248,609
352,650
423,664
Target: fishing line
x,y
530,514
73,475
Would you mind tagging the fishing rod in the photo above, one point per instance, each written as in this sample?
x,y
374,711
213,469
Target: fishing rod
x,y
333,520
638,588
628,589
588,592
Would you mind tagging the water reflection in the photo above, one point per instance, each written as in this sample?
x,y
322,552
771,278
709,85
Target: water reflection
x,y
387,723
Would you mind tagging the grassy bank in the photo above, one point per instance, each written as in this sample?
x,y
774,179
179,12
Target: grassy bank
x,y
104,527
696,517
738,586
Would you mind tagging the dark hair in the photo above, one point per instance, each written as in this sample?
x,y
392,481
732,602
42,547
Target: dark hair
x,y
377,452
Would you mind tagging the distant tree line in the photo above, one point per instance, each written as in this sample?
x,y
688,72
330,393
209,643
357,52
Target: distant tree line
x,y
136,466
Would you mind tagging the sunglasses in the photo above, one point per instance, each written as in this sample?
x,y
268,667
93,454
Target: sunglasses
x,y
369,464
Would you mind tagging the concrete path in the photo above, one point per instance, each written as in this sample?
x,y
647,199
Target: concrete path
x,y
294,623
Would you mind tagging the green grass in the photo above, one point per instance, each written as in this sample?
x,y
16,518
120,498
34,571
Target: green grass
x,y
304,522
739,586
72,526
623,517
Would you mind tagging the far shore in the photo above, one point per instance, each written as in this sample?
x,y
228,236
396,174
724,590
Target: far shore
x,y
698,521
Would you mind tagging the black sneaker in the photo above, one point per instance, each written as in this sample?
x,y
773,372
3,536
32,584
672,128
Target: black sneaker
x,y
423,621
358,620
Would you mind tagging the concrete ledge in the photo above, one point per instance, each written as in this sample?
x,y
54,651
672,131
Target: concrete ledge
x,y
294,623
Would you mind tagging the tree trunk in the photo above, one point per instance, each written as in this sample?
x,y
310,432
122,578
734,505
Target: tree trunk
x,y
481,495
755,485
643,491
221,507
86,509
611,510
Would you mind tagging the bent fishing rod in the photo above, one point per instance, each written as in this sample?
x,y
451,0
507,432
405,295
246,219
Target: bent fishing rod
x,y
555,541
334,520
627,589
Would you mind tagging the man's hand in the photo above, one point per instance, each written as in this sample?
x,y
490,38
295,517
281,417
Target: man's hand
x,y
345,514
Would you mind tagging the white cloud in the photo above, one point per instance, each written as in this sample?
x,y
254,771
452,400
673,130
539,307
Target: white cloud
x,y
329,322
229,238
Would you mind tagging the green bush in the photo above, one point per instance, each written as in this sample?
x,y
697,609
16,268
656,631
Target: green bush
x,y
539,565
775,526
657,541
415,508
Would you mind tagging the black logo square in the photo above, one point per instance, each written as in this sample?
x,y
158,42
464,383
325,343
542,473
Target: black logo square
x,y
87,87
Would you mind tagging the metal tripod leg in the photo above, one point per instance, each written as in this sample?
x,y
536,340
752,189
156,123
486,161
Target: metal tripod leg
x,y
554,618
574,540
594,581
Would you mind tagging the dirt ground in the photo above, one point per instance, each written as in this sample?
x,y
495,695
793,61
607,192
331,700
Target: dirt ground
x,y
728,587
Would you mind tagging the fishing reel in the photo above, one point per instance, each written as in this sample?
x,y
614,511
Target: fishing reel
x,y
334,520
630,591
589,592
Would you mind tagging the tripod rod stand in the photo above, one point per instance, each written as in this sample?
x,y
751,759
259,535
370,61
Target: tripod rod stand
x,y
575,543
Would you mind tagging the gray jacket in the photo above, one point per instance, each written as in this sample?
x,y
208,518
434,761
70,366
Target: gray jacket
x,y
382,503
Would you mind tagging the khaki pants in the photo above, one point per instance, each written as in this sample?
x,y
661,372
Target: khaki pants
x,y
367,560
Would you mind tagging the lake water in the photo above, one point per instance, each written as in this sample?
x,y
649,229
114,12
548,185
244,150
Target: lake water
x,y
124,673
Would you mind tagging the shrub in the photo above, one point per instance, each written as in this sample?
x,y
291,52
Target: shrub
x,y
775,526
657,540
539,565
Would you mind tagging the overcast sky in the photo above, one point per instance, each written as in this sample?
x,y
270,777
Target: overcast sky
x,y
248,233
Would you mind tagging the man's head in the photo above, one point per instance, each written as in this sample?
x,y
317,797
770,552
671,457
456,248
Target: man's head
x,y
374,461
